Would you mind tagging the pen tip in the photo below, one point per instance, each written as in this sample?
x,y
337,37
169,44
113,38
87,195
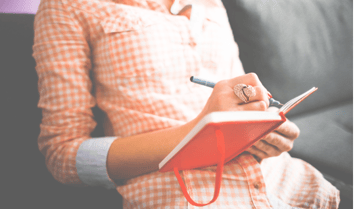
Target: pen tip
x,y
191,78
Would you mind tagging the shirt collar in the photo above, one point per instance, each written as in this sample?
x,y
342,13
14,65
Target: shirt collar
x,y
145,4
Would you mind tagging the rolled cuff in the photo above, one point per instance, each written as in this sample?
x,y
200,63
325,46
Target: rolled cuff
x,y
91,162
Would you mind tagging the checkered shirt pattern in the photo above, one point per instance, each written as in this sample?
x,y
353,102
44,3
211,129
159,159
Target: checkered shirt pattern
x,y
133,59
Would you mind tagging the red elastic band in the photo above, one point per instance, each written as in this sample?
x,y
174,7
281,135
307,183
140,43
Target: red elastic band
x,y
219,172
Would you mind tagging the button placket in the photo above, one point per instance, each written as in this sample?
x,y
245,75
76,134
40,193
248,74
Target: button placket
x,y
257,185
255,181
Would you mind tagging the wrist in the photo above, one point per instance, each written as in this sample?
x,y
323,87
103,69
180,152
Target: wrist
x,y
139,154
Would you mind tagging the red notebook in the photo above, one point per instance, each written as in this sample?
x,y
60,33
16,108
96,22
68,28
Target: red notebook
x,y
221,136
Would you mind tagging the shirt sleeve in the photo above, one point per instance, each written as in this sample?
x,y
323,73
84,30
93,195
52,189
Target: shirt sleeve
x,y
63,64
91,162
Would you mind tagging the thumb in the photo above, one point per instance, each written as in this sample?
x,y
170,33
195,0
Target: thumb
x,y
272,109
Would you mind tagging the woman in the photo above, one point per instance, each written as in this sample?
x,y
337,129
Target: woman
x,y
134,59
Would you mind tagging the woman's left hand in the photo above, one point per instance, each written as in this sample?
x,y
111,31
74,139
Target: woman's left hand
x,y
276,142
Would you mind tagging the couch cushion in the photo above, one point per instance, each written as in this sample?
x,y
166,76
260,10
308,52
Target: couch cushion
x,y
20,118
294,45
326,141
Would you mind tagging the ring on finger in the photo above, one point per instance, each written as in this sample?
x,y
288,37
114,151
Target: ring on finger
x,y
244,92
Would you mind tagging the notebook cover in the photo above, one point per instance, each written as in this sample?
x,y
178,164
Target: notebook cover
x,y
201,150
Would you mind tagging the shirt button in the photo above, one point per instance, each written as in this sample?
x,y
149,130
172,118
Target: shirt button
x,y
257,185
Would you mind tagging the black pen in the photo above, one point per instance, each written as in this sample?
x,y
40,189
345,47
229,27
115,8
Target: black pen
x,y
193,79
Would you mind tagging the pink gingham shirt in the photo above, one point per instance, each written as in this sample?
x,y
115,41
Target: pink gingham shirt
x,y
133,59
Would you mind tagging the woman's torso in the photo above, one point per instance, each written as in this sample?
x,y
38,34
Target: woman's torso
x,y
143,57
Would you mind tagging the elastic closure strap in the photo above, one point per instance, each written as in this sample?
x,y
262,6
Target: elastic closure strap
x,y
219,172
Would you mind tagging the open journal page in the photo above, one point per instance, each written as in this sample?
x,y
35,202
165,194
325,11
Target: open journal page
x,y
293,102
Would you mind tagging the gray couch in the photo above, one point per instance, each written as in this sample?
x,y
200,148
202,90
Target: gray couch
x,y
292,45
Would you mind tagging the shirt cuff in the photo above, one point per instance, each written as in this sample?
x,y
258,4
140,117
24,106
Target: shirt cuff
x,y
91,162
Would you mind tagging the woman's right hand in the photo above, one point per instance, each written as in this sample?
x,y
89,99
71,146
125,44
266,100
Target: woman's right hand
x,y
138,154
224,99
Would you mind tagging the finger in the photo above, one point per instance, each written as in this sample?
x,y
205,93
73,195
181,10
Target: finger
x,y
247,79
273,109
256,152
279,141
252,106
269,149
289,130
260,95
